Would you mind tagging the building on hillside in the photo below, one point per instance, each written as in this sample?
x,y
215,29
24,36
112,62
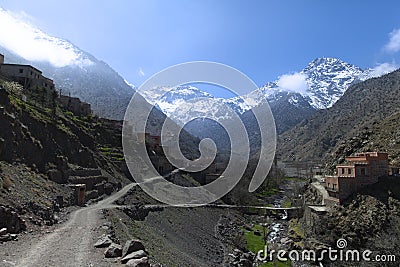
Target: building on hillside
x,y
28,76
358,171
75,105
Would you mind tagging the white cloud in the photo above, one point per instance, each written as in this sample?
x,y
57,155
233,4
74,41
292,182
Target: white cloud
x,y
32,44
382,69
141,72
295,82
394,41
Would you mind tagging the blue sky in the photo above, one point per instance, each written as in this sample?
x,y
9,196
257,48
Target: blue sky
x,y
263,39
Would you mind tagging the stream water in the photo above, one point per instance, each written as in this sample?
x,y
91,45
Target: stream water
x,y
278,227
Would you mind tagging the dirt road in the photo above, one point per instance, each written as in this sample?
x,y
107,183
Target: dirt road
x,y
70,244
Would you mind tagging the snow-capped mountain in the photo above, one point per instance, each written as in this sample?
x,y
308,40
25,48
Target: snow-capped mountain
x,y
292,97
170,99
73,70
325,81
328,79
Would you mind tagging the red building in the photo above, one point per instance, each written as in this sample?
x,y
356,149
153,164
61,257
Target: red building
x,y
358,171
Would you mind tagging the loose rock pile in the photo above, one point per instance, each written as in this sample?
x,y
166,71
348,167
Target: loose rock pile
x,y
133,253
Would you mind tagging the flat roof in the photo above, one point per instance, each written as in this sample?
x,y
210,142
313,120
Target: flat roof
x,y
22,65
344,165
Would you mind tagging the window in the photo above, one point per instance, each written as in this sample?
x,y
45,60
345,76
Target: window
x,y
349,171
329,185
342,170
334,186
21,70
31,72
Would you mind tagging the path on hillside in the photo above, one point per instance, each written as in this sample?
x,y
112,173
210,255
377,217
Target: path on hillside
x,y
72,243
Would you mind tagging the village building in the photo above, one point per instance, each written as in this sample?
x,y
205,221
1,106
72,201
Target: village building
x,y
358,171
75,105
26,75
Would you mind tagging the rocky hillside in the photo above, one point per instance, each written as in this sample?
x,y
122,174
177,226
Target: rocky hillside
x,y
376,227
363,119
42,150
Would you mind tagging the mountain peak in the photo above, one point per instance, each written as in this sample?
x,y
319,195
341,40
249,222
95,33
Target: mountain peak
x,y
322,60
331,64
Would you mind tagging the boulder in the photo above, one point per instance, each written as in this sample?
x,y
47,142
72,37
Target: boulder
x,y
143,262
134,255
132,246
103,242
113,251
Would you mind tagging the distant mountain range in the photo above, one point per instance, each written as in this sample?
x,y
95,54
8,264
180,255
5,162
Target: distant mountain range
x,y
320,85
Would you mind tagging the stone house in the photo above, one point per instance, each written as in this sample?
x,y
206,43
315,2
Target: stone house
x,y
28,76
75,105
358,171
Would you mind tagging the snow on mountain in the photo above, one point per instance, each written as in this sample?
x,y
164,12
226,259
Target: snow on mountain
x,y
328,79
33,44
130,84
318,86
178,102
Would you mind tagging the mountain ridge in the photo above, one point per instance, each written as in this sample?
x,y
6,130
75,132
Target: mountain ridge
x,y
324,79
